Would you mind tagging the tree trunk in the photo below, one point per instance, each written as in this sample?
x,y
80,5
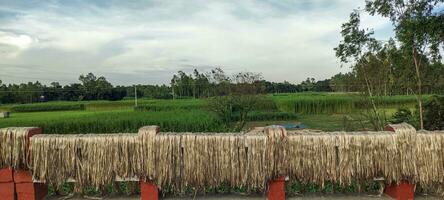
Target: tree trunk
x,y
419,84
375,110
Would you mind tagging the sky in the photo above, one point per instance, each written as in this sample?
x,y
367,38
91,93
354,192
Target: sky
x,y
146,42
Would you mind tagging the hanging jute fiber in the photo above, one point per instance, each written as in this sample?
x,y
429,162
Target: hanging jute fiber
x,y
179,161
89,159
205,160
341,157
13,147
429,157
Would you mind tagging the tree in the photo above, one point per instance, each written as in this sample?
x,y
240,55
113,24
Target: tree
x,y
244,95
417,28
344,82
308,85
96,88
220,81
358,46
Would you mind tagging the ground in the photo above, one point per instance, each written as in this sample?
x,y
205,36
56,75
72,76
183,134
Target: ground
x,y
239,197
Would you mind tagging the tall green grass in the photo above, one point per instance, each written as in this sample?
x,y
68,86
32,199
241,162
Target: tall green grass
x,y
115,121
334,103
169,105
42,107
266,116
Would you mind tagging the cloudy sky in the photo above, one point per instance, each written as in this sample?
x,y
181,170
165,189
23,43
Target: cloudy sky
x,y
147,41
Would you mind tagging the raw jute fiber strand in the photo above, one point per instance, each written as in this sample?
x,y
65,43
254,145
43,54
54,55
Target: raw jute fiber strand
x,y
205,160
429,154
13,147
341,157
90,160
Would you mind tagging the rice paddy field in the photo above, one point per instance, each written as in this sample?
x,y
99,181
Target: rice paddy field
x,y
324,111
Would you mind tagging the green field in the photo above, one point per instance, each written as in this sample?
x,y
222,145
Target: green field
x,y
324,111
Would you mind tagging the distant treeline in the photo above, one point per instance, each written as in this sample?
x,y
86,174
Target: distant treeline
x,y
196,85
384,79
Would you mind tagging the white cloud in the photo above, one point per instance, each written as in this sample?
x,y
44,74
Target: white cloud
x,y
284,40
12,44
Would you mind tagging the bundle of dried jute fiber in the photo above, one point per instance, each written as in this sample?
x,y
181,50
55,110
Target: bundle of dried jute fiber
x,y
342,157
202,160
90,159
430,160
308,158
384,156
406,143
147,165
13,147
275,154
361,153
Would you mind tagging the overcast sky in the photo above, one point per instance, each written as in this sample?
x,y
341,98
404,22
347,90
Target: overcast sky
x,y
147,41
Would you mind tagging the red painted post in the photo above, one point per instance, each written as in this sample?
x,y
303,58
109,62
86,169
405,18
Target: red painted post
x,y
148,190
276,189
7,191
6,175
404,190
7,187
31,191
22,176
401,191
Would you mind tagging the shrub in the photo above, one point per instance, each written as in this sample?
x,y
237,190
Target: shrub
x,y
402,115
434,113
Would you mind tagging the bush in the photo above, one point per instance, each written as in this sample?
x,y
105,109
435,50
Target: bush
x,y
46,107
227,107
434,113
402,115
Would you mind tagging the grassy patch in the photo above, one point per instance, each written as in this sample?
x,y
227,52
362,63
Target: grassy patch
x,y
115,121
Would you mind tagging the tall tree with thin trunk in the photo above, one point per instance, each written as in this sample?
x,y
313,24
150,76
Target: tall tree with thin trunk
x,y
355,47
416,26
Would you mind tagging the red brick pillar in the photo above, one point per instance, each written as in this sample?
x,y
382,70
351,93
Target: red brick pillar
x,y
25,188
276,187
403,190
7,187
149,190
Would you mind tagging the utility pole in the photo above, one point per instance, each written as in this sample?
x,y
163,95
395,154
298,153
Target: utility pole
x,y
172,87
135,95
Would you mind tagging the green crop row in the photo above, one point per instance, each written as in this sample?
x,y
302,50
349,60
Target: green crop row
x,y
267,116
46,107
115,121
157,108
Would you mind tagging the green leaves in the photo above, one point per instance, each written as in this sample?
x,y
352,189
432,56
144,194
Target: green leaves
x,y
356,41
